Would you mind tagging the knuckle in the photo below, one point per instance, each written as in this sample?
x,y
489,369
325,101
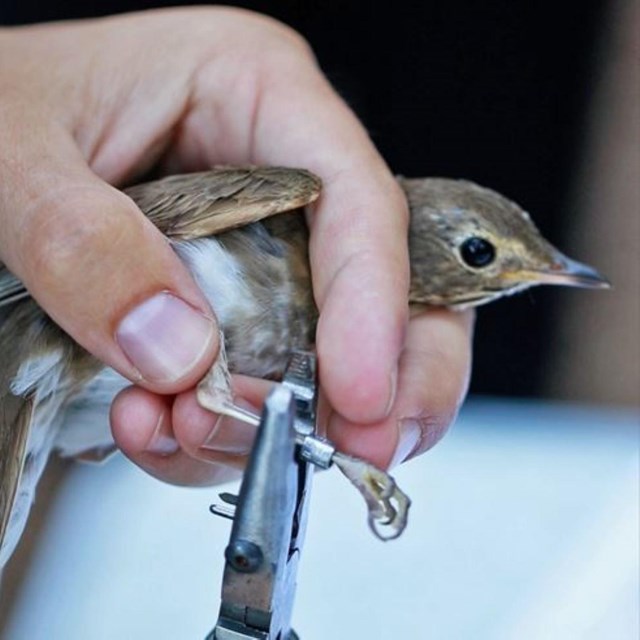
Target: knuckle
x,y
285,45
280,33
259,32
63,234
295,40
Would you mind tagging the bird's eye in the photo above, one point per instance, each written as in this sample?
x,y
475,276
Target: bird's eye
x,y
477,252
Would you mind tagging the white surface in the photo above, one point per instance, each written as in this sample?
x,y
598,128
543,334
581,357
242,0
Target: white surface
x,y
524,526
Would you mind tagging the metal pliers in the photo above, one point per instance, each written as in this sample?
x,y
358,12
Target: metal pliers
x,y
270,513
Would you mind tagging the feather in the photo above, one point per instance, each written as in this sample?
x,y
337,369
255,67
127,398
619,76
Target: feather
x,y
41,370
196,205
15,419
11,289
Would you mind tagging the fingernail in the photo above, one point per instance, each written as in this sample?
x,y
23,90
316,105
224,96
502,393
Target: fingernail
x,y
230,435
162,441
409,438
164,337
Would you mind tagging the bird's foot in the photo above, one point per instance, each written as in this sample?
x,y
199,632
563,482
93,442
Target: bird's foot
x,y
387,505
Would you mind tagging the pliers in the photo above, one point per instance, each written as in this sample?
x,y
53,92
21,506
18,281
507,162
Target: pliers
x,y
270,513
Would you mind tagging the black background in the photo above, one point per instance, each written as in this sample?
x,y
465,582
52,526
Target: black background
x,y
496,92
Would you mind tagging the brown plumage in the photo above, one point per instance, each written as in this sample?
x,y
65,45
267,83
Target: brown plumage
x,y
468,245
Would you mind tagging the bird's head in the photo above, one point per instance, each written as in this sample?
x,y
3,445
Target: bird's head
x,y
470,245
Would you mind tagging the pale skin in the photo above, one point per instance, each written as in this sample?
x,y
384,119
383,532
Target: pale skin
x,y
91,104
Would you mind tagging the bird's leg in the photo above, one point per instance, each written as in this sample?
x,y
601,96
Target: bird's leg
x,y
387,505
214,391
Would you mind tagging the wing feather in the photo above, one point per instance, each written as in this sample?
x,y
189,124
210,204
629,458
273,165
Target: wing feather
x,y
201,204
35,380
16,415
11,289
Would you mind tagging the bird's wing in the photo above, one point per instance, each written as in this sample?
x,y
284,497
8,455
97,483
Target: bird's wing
x,y
201,204
15,421
35,359
11,289
16,416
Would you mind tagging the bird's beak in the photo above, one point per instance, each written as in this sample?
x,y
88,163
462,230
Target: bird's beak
x,y
567,272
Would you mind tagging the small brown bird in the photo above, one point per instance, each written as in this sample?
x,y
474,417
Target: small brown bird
x,y
468,245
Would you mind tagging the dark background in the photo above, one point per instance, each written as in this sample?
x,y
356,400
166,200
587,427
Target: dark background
x,y
494,92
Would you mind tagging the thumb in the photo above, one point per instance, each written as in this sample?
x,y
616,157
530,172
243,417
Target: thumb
x,y
99,268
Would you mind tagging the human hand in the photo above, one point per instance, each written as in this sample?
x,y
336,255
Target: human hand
x,y
97,103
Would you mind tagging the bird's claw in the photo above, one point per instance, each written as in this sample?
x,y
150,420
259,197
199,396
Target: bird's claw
x,y
387,505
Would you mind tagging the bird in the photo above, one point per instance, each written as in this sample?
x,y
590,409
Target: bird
x,y
242,233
